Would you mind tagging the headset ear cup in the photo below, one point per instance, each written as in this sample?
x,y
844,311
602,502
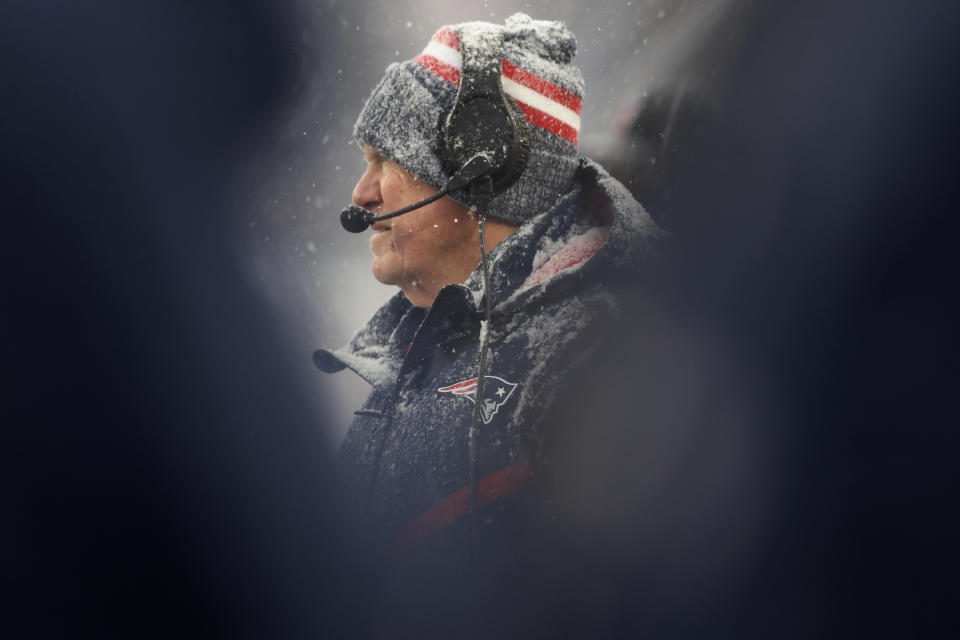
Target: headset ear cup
x,y
494,126
483,119
473,127
518,153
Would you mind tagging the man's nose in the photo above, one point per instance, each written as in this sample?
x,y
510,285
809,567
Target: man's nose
x,y
367,192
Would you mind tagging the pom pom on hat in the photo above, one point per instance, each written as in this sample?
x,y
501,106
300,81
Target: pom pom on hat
x,y
545,38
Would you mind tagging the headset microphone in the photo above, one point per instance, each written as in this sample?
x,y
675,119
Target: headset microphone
x,y
356,219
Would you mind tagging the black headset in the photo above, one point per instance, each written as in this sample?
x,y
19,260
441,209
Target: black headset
x,y
484,138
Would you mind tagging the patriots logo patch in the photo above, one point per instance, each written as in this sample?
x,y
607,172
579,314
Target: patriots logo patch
x,y
496,392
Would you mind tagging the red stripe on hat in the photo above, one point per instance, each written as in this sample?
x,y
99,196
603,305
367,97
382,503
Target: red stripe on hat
x,y
548,122
544,87
442,69
521,76
493,487
447,37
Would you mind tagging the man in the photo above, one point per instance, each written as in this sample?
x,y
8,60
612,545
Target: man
x,y
454,423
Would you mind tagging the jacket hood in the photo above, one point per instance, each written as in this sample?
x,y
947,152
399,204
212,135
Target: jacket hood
x,y
596,231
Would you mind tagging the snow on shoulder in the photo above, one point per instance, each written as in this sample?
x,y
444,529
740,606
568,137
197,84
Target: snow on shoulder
x,y
557,256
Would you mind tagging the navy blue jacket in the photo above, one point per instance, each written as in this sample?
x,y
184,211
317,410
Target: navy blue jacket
x,y
405,457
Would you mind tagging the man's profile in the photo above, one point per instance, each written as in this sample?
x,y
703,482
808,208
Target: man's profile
x,y
419,253
504,281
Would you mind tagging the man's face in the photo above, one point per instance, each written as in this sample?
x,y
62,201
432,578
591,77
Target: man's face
x,y
420,251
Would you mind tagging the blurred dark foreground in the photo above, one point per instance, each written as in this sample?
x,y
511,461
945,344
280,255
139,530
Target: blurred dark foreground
x,y
764,448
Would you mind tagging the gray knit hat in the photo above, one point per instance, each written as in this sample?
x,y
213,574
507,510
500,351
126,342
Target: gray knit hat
x,y
404,116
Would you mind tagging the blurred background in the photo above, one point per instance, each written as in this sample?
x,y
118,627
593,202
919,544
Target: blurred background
x,y
772,426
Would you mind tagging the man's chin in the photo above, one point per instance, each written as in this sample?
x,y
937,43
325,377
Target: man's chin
x,y
383,274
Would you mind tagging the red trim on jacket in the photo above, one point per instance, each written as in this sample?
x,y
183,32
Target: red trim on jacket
x,y
490,488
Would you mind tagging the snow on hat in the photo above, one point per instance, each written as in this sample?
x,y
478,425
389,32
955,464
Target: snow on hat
x,y
405,114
